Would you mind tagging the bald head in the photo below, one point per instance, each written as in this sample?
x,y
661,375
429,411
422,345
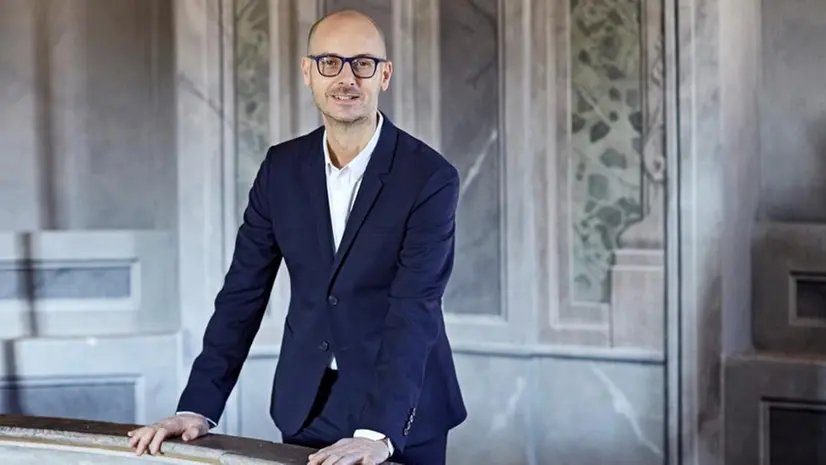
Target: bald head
x,y
346,68
350,26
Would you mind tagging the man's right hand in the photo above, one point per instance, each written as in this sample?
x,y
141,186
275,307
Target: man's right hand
x,y
187,425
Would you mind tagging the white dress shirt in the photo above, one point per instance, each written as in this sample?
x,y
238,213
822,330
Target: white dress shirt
x,y
342,187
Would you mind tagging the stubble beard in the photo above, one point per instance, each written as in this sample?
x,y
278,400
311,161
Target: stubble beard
x,y
344,123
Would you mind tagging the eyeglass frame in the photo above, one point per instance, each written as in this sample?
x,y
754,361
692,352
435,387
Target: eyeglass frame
x,y
345,61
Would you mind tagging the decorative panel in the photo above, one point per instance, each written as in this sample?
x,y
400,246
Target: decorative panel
x,y
65,282
105,400
42,376
252,93
775,409
810,296
62,283
470,138
609,174
796,433
789,287
605,125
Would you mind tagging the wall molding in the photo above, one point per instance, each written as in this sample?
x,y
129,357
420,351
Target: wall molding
x,y
47,271
753,384
518,350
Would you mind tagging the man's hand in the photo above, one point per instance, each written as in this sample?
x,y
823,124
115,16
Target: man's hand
x,y
352,451
187,425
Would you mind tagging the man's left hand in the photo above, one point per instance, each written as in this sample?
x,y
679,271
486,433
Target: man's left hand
x,y
351,451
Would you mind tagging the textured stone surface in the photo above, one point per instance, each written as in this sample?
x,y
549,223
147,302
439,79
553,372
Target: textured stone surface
x,y
86,130
73,442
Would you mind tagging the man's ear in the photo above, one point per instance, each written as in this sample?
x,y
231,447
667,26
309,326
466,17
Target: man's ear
x,y
306,69
386,73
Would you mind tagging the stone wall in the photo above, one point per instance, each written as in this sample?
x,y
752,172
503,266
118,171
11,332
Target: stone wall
x,y
557,122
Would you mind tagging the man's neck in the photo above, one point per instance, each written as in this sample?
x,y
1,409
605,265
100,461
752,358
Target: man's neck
x,y
346,141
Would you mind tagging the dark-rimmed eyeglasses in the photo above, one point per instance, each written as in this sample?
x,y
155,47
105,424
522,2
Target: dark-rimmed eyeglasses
x,y
330,65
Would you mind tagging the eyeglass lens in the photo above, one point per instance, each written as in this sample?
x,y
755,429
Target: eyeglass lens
x,y
331,65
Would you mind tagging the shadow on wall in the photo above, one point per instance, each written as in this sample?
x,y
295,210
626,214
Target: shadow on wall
x,y
24,272
26,280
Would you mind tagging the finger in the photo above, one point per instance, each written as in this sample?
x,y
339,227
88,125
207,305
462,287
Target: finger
x,y
134,437
192,433
157,440
348,459
320,456
333,459
326,450
316,459
143,441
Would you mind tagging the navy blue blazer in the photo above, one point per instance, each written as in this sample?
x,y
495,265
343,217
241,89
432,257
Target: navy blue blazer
x,y
376,303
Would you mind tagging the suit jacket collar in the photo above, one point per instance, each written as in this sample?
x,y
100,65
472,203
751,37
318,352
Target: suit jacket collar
x,y
316,186
381,159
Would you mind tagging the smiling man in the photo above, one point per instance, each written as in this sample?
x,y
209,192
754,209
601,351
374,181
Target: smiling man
x,y
363,214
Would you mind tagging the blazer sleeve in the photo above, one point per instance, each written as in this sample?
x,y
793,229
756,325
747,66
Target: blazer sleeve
x,y
414,320
239,305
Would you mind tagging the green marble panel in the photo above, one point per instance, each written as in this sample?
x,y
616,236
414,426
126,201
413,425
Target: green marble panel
x,y
606,137
252,92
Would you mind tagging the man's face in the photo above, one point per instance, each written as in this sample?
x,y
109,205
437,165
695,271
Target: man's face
x,y
348,72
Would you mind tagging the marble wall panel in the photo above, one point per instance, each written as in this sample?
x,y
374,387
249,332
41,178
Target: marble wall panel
x,y
105,401
792,121
609,173
252,93
129,175
86,125
471,138
93,282
599,411
19,170
499,393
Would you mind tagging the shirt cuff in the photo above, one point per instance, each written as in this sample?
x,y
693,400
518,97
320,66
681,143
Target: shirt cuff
x,y
212,423
375,436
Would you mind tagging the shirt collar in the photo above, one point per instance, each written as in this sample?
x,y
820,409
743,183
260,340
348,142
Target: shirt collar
x,y
358,164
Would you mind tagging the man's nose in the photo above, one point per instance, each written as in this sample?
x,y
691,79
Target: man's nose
x,y
347,76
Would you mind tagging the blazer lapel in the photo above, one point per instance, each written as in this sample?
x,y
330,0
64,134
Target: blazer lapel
x,y
369,190
371,186
315,181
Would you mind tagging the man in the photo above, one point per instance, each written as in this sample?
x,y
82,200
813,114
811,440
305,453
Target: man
x,y
363,214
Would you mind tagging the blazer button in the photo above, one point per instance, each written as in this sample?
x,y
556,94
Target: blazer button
x,y
324,346
332,300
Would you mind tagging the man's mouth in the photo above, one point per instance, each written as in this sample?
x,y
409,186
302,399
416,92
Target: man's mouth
x,y
345,98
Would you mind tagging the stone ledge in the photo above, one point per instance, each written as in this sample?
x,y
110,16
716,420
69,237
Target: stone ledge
x,y
99,440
